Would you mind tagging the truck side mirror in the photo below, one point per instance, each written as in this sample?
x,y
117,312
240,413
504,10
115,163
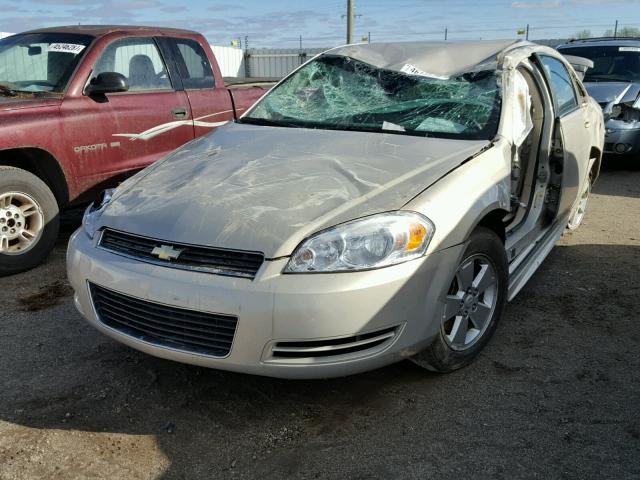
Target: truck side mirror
x,y
107,82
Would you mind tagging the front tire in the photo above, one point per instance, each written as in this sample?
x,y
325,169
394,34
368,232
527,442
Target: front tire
x,y
29,220
472,306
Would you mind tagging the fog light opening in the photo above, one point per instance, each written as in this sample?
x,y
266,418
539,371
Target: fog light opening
x,y
622,147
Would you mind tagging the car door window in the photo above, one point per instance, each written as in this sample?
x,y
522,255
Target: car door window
x,y
139,60
193,64
562,86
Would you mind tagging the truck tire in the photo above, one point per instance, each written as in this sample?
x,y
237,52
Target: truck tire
x,y
29,220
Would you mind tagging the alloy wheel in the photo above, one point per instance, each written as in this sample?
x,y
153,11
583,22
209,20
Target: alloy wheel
x,y
21,223
470,302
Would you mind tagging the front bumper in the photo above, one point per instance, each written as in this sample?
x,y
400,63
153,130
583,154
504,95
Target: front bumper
x,y
275,307
622,138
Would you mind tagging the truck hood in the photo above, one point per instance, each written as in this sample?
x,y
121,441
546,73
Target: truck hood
x,y
617,92
26,101
265,189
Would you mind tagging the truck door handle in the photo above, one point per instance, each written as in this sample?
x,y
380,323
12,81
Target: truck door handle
x,y
587,124
179,112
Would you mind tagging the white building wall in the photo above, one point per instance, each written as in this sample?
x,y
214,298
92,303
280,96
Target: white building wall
x,y
230,59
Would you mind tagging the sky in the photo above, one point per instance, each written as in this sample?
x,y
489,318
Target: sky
x,y
321,23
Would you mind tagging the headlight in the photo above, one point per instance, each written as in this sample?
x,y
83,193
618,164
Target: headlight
x,y
371,242
616,111
93,212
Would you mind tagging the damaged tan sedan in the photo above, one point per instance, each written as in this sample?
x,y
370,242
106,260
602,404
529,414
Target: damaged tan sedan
x,y
382,202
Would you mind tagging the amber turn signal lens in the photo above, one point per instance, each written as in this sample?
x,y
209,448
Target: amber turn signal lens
x,y
417,234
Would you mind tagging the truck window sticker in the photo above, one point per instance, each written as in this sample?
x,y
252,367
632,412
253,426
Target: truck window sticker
x,y
65,48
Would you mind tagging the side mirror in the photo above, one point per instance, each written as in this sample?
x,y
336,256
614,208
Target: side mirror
x,y
107,82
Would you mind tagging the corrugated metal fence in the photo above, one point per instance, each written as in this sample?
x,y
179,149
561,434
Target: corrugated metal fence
x,y
266,62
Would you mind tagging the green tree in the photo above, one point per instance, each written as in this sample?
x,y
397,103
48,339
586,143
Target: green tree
x,y
624,32
582,34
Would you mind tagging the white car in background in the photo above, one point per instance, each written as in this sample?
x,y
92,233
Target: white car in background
x,y
382,202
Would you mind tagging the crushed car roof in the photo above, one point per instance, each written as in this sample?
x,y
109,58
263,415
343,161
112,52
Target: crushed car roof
x,y
437,59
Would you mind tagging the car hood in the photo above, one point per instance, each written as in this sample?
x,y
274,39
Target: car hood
x,y
618,92
267,188
26,101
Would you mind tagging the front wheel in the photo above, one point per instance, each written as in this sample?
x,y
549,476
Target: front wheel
x,y
29,220
472,306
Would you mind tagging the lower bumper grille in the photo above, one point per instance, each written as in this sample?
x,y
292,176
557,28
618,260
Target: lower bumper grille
x,y
161,325
334,346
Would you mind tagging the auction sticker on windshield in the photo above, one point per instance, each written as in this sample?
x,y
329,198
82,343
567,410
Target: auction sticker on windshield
x,y
413,70
629,49
66,48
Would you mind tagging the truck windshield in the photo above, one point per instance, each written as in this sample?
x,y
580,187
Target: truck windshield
x,y
341,93
610,64
39,62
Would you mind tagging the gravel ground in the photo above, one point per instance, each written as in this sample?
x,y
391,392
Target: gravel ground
x,y
556,394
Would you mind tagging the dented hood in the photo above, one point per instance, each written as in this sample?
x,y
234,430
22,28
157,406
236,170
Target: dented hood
x,y
267,188
617,92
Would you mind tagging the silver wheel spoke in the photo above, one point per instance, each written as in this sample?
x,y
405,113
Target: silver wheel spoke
x,y
452,305
28,209
27,235
458,333
481,316
4,244
484,279
466,275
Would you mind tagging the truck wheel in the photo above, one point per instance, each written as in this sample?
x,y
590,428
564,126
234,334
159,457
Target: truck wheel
x,y
29,220
472,306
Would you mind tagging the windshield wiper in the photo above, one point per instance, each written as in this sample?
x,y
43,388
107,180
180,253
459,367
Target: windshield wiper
x,y
9,92
266,122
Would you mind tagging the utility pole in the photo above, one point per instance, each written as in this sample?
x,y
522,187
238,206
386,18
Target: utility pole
x,y
350,20
300,42
615,30
446,31
527,36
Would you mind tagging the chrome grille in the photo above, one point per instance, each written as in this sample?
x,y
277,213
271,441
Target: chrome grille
x,y
220,261
188,330
333,346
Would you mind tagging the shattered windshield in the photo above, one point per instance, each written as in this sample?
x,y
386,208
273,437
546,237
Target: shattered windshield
x,y
610,64
39,62
341,93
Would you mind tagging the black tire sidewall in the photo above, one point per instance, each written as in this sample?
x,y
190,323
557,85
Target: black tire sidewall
x,y
439,356
18,180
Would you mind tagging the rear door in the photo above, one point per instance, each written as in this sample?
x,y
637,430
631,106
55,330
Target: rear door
x,y
210,103
133,129
572,120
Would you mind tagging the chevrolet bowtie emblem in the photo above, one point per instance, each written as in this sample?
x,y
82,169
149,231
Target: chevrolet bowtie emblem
x,y
166,252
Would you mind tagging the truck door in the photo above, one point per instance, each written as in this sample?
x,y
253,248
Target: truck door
x,y
572,121
210,103
128,130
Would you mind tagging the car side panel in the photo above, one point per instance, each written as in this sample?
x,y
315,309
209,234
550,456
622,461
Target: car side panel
x,y
458,202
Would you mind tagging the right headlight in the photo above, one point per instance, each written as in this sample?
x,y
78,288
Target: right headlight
x,y
94,211
372,242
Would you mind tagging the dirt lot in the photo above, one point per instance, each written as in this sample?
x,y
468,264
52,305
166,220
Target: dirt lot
x,y
556,394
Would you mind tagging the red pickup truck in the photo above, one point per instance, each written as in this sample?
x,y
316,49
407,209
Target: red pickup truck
x,y
82,107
